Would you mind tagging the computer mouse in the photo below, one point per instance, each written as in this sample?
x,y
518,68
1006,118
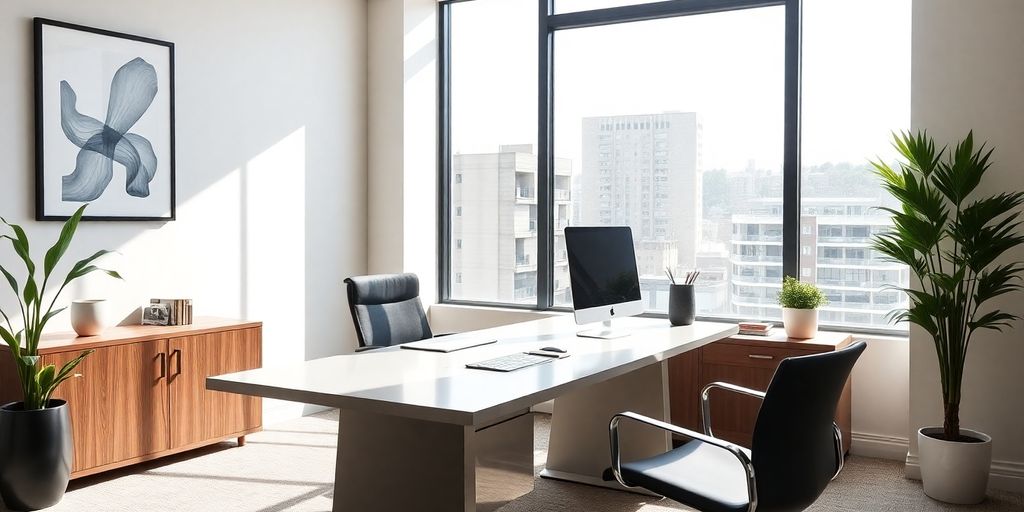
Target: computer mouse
x,y
554,349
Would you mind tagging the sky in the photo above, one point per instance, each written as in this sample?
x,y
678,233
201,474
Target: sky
x,y
728,67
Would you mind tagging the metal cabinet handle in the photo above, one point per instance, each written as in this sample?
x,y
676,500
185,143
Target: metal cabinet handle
x,y
760,356
163,365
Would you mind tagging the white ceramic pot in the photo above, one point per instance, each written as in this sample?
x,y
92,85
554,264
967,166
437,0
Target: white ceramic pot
x,y
800,323
87,316
954,472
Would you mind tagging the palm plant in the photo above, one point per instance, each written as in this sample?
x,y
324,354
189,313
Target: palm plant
x,y
951,242
38,384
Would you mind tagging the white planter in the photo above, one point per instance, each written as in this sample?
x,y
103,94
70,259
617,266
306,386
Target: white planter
x,y
954,472
87,316
800,323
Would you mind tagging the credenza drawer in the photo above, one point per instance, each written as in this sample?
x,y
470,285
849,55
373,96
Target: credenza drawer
x,y
724,352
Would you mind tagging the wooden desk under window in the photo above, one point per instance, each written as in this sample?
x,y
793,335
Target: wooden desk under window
x,y
748,361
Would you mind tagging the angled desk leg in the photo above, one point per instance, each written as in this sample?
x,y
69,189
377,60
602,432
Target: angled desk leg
x,y
389,463
579,449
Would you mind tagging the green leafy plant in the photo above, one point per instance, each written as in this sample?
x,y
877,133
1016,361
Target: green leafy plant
x,y
38,384
951,242
797,294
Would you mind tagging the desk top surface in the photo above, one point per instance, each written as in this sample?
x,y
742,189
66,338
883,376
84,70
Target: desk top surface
x,y
438,387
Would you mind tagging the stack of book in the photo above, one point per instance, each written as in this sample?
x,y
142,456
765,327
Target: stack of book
x,y
755,328
179,310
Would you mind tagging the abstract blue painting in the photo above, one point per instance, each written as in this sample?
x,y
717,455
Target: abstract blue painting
x,y
131,92
105,124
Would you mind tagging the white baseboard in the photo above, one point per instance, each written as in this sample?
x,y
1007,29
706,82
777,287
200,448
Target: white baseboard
x,y
1005,475
879,446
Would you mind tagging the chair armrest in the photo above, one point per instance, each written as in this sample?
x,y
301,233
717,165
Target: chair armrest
x,y
613,431
369,348
705,400
840,459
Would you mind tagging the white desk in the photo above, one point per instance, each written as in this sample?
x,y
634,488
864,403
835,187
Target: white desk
x,y
419,431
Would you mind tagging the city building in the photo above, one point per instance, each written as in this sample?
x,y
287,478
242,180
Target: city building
x,y
494,225
644,171
835,253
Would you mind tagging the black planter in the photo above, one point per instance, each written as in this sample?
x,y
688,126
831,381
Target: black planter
x,y
682,308
35,455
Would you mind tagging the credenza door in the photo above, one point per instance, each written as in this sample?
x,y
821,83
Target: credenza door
x,y
197,414
118,406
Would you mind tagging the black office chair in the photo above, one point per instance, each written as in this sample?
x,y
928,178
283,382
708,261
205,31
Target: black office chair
x,y
386,310
797,448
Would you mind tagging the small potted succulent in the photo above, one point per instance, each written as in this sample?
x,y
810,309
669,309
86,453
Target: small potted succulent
x,y
800,302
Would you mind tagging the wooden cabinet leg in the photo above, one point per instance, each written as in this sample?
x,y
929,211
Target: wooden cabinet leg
x,y
241,440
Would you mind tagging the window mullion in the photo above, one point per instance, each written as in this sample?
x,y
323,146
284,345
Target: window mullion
x,y
545,158
791,156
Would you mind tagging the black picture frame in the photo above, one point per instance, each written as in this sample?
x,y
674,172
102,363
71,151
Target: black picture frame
x,y
42,212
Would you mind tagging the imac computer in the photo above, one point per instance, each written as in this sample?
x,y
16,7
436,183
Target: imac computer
x,y
603,275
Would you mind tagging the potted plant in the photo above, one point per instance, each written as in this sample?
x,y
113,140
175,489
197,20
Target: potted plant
x,y
800,302
952,242
35,433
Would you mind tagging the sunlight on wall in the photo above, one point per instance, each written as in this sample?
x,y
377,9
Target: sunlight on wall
x,y
273,252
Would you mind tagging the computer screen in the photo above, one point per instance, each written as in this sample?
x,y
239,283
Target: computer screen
x,y
602,266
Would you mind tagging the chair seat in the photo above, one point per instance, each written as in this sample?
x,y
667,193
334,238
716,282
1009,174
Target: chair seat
x,y
697,474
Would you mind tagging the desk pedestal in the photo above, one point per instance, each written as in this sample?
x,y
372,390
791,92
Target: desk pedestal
x,y
389,463
579,450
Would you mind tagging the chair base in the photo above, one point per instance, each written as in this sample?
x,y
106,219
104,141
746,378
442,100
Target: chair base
x,y
597,482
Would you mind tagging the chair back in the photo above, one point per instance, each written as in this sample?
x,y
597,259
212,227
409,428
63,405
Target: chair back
x,y
386,309
794,449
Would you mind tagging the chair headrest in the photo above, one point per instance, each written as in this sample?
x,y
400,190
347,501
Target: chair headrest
x,y
383,288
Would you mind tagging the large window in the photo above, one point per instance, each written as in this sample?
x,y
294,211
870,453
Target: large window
x,y
492,161
856,90
682,125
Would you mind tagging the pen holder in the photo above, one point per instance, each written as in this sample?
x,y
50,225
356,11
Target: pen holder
x,y
681,304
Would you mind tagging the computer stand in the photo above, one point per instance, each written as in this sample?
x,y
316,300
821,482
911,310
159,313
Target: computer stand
x,y
605,332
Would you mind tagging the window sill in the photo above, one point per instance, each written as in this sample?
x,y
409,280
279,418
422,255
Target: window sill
x,y
522,313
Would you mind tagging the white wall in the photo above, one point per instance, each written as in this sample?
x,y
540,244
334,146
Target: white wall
x,y
967,74
402,142
270,165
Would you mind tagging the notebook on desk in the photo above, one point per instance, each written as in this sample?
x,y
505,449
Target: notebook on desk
x,y
447,344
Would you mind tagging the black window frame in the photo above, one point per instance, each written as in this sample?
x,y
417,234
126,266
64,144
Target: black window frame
x,y
548,24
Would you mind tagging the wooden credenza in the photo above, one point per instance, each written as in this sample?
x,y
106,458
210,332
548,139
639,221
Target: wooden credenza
x,y
748,361
142,393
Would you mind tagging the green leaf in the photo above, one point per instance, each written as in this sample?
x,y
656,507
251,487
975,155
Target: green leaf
x,y
10,280
31,293
994,320
12,342
20,244
77,273
44,378
65,371
50,314
998,281
54,254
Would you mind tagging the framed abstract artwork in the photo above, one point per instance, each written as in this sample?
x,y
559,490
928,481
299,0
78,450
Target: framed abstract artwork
x,y
104,124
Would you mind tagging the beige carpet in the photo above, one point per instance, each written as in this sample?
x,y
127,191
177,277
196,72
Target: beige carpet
x,y
291,467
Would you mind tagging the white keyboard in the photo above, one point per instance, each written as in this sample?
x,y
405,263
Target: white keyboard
x,y
510,362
